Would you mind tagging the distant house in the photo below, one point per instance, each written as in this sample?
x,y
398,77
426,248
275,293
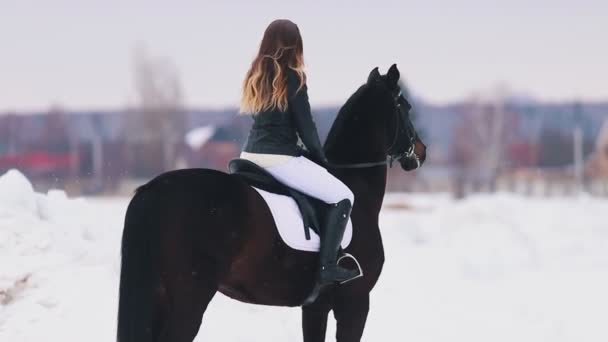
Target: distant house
x,y
213,146
38,145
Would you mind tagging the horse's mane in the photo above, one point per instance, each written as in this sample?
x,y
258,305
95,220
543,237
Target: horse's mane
x,y
345,112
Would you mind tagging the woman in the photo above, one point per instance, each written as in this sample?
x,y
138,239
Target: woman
x,y
275,94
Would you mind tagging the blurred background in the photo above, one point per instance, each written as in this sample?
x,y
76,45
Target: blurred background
x,y
509,96
500,236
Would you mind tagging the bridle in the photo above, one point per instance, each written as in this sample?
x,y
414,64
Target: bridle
x,y
392,152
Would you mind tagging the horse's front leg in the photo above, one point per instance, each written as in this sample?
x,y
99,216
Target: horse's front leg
x,y
314,320
351,315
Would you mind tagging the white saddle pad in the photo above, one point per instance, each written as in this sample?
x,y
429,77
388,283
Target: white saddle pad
x,y
288,219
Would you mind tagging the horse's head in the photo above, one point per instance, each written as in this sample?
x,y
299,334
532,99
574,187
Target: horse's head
x,y
374,127
404,145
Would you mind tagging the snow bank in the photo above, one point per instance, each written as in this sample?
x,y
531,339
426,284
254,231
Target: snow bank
x,y
56,254
16,194
490,268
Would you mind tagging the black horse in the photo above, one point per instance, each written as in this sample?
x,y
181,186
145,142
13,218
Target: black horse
x,y
190,233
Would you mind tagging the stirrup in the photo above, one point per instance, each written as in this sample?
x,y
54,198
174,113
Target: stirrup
x,y
350,256
317,289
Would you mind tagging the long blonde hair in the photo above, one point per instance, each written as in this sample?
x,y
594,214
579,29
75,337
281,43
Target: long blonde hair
x,y
265,84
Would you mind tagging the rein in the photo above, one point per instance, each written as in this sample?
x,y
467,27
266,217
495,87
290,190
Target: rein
x,y
358,165
389,161
391,157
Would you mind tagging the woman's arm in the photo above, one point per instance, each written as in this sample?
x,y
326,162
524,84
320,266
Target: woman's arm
x,y
300,109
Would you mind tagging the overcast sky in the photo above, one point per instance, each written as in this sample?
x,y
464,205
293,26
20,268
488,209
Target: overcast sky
x,y
78,53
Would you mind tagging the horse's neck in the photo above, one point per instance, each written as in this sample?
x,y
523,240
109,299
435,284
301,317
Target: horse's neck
x,y
361,144
358,141
368,185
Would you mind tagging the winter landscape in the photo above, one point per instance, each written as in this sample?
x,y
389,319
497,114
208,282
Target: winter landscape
x,y
500,236
488,268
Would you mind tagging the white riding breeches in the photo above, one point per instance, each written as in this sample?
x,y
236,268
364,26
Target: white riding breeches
x,y
308,177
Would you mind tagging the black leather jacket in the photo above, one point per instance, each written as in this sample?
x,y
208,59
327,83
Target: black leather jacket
x,y
276,132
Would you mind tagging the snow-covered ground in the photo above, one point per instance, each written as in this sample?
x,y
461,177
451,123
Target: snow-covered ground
x,y
490,268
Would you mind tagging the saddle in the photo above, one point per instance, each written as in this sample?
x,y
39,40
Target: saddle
x,y
312,209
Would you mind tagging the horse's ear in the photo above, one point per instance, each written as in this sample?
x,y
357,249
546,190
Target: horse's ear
x,y
393,75
373,76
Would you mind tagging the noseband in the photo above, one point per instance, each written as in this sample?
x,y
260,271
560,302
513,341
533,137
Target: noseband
x,y
392,153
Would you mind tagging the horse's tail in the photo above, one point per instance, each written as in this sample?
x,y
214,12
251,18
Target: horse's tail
x,y
139,309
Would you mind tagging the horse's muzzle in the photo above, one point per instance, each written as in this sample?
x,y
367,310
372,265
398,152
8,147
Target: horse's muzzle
x,y
410,163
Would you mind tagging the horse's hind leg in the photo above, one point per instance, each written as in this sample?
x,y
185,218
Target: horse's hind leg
x,y
351,315
188,294
314,320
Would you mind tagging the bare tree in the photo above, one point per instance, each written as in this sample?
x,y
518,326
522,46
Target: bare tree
x,y
158,121
597,165
481,140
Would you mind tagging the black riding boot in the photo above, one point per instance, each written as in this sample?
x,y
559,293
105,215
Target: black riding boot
x,y
331,238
